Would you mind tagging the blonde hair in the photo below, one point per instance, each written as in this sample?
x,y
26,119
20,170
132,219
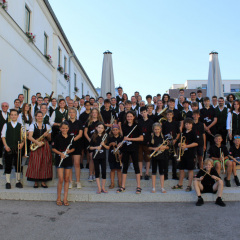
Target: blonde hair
x,y
153,127
90,118
208,160
72,109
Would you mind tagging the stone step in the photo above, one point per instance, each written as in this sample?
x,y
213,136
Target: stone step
x,y
89,195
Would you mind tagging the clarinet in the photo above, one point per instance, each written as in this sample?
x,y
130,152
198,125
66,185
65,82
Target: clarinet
x,y
65,153
103,139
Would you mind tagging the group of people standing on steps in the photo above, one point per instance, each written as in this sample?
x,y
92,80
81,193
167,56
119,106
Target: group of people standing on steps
x,y
157,131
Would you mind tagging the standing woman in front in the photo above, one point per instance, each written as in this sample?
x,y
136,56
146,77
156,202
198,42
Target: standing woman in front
x,y
40,161
58,116
130,148
94,118
233,121
76,130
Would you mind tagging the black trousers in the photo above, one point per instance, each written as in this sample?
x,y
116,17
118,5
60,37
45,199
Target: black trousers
x,y
125,161
170,156
161,165
1,149
12,158
101,162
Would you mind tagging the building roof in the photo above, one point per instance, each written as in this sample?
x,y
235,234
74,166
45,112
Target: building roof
x,y
67,42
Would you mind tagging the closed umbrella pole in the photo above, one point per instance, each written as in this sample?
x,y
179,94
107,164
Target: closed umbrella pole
x,y
107,82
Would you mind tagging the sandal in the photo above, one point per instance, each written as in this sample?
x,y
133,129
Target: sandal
x,y
59,203
104,191
163,190
121,189
153,190
138,190
188,189
66,203
177,187
111,186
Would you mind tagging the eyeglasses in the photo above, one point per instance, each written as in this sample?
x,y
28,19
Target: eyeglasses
x,y
237,137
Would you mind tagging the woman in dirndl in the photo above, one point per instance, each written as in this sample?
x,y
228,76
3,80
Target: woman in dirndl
x,y
40,161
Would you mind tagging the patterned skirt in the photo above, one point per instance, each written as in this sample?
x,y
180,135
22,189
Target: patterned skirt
x,y
40,164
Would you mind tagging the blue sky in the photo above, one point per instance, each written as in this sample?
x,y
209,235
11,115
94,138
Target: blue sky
x,y
155,43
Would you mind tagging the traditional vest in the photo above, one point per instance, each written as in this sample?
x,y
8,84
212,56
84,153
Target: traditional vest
x,y
13,135
51,110
37,133
2,120
221,118
46,120
59,116
200,101
179,107
235,124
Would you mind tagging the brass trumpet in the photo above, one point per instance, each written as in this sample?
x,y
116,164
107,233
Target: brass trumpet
x,y
181,152
157,152
34,146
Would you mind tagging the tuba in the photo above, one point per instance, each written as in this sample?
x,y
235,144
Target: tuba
x,y
34,146
163,113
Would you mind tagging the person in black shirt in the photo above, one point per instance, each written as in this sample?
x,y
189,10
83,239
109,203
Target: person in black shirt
x,y
234,152
208,181
150,109
130,148
185,113
198,129
76,130
186,161
143,152
115,159
159,160
176,114
59,146
94,118
170,129
108,114
98,145
214,154
122,115
84,142
209,118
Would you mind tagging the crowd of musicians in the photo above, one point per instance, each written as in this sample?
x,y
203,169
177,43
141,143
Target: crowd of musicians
x,y
190,132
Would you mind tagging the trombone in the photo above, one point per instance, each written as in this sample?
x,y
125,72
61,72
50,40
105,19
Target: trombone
x,y
19,155
25,139
222,160
172,149
181,151
158,151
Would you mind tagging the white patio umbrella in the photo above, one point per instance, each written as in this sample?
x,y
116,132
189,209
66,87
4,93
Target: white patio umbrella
x,y
107,84
214,86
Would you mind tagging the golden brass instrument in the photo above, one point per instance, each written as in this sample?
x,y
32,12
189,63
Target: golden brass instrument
x,y
222,161
34,146
8,117
181,151
157,152
172,147
117,155
25,139
76,98
164,114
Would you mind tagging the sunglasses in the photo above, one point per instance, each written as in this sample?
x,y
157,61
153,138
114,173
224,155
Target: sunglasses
x,y
237,137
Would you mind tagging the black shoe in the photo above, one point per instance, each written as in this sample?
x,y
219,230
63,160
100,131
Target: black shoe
x,y
44,186
146,177
8,185
227,182
1,166
200,202
237,181
87,166
81,165
35,186
175,177
141,178
220,202
19,185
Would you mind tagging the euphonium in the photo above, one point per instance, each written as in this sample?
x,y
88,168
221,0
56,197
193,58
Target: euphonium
x,y
181,152
34,146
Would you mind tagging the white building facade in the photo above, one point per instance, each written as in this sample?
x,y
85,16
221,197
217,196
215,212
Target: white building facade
x,y
24,67
229,86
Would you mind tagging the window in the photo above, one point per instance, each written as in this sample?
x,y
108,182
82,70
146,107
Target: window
x,y
25,94
27,19
65,64
223,88
75,80
235,87
59,56
45,44
204,86
82,89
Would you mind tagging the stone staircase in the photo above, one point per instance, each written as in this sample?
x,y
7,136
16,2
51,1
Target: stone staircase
x,y
88,191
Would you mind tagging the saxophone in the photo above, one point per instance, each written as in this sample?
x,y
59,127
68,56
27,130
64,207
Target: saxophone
x,y
34,146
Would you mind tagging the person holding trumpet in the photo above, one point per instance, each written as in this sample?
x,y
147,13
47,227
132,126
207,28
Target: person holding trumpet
x,y
158,146
208,181
187,145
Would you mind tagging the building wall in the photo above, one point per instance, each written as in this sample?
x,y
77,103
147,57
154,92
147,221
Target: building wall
x,y
23,63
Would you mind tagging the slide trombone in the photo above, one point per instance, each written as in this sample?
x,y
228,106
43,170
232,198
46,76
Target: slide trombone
x,y
222,160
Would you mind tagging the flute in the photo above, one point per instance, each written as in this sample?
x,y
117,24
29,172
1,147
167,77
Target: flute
x,y
209,174
234,159
124,141
65,153
103,139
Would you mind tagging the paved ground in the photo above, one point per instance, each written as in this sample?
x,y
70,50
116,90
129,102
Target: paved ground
x,y
84,221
